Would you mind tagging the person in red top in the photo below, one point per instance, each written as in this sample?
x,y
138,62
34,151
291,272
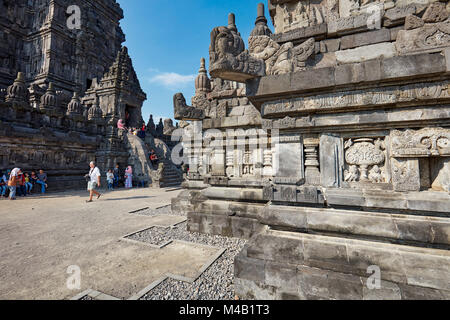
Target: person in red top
x,y
21,186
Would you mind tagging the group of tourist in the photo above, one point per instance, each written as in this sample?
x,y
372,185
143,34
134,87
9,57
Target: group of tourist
x,y
17,183
140,132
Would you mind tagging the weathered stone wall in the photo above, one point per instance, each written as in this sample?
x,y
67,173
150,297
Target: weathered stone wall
x,y
351,124
73,86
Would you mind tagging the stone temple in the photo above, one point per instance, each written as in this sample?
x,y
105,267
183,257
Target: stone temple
x,y
63,90
327,144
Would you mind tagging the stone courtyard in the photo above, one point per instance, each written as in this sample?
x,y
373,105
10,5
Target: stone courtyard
x,y
42,236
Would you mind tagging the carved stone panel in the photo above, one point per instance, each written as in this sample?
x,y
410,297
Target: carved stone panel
x,y
365,160
405,174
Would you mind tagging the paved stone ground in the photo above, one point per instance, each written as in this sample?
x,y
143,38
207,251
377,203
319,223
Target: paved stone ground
x,y
42,236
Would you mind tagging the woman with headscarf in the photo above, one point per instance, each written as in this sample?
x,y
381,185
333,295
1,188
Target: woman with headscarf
x,y
129,178
121,125
13,182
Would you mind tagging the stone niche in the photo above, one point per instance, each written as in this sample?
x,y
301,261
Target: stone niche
x,y
421,159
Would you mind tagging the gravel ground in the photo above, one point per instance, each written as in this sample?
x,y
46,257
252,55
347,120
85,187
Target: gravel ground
x,y
154,212
216,283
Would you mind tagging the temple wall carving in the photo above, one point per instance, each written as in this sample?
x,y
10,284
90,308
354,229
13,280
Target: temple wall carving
x,y
350,99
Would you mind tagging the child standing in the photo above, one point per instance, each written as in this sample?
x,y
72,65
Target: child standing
x,y
110,179
3,184
28,184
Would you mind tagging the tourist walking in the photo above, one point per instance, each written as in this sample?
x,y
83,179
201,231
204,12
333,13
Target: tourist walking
x,y
94,182
116,176
129,178
12,182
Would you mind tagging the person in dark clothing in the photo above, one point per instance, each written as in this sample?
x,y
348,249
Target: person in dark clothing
x,y
116,173
153,158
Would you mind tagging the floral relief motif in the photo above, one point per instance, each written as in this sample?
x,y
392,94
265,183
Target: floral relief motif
x,y
364,157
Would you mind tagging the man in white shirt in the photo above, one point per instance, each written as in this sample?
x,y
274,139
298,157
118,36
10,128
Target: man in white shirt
x,y
94,182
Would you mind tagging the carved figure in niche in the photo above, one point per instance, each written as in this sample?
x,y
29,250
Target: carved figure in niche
x,y
365,153
376,175
352,174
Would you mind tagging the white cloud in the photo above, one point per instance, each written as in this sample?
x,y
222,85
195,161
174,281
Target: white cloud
x,y
172,79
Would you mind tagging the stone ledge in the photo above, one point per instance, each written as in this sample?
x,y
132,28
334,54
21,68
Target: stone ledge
x,y
421,267
425,201
392,70
383,226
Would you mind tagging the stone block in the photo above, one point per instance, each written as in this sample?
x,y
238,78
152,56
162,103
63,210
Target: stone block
x,y
420,293
297,35
365,38
350,73
348,24
330,45
375,51
325,254
317,283
413,66
249,269
284,217
325,60
281,275
397,15
413,22
273,248
436,12
387,291
251,290
427,268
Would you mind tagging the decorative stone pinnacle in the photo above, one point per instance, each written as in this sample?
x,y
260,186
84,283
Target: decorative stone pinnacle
x,y
261,19
202,66
20,77
232,22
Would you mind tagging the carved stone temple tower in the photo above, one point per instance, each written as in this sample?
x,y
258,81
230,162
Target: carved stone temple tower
x,y
334,150
63,89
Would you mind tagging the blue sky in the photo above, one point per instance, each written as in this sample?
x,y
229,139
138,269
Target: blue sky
x,y
167,38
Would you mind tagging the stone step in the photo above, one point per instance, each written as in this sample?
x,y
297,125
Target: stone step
x,y
279,254
382,226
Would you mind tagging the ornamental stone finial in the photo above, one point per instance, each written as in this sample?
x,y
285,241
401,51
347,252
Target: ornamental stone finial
x,y
261,28
202,82
17,92
232,22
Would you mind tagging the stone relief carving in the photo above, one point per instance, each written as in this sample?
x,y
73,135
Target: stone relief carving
x,y
364,156
228,58
359,98
184,112
429,37
291,15
281,59
230,61
421,143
